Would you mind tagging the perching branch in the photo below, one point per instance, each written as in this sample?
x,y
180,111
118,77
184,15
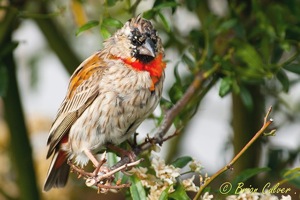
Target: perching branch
x,y
179,106
103,178
266,124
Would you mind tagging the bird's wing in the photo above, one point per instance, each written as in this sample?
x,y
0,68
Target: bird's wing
x,y
82,91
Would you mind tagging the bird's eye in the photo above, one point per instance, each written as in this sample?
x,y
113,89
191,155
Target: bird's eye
x,y
142,39
135,40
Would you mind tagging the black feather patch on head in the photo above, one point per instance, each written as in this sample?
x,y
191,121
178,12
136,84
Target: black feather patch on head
x,y
144,39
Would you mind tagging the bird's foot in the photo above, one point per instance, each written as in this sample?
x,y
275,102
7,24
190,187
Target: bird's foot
x,y
102,177
122,152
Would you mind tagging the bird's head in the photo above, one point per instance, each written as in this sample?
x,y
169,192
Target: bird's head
x,y
137,40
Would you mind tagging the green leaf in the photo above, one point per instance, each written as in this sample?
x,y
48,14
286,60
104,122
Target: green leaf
x,y
159,2
295,68
165,104
226,25
111,2
111,160
250,56
225,86
192,4
111,22
293,176
176,74
179,194
175,92
166,5
87,26
277,53
182,161
164,194
246,98
3,80
104,32
149,14
248,173
294,171
284,80
189,62
137,190
165,22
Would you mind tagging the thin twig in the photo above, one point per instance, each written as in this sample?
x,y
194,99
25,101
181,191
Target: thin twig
x,y
110,173
103,180
115,186
267,123
179,106
153,141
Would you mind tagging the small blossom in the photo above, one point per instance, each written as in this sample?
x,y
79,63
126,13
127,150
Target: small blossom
x,y
165,177
151,181
189,185
288,197
207,196
248,196
231,197
195,166
156,148
141,172
167,173
156,192
267,196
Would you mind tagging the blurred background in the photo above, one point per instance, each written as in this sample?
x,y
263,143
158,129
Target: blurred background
x,y
255,44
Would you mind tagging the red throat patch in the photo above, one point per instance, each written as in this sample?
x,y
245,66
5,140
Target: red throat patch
x,y
155,68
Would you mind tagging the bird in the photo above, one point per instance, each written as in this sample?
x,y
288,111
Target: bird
x,y
109,95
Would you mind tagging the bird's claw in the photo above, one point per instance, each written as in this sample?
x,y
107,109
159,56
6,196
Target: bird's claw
x,y
102,177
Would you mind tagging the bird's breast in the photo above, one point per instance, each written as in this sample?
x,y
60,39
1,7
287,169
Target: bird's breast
x,y
124,101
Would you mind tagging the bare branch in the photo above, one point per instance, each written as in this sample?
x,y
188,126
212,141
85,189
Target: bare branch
x,y
103,178
266,124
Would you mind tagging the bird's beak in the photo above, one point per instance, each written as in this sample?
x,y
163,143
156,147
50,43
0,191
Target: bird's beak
x,y
148,48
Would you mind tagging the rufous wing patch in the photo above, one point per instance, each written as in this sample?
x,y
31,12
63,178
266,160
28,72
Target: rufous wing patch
x,y
88,68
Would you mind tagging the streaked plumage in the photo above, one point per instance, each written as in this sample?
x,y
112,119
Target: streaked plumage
x,y
109,95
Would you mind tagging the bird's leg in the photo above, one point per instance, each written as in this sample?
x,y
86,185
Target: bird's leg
x,y
95,162
100,163
92,158
130,154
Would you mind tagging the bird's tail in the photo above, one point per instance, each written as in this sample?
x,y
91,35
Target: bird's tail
x,y
58,172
